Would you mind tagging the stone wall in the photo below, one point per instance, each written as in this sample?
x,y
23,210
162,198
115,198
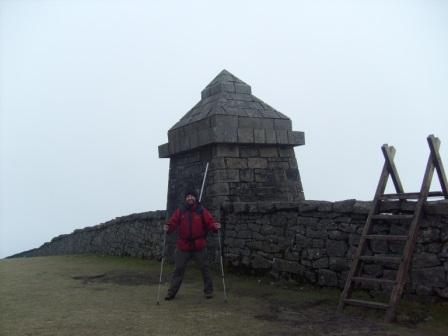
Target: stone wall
x,y
309,241
137,235
314,242
237,173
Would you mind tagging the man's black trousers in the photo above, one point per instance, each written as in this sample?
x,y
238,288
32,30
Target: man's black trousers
x,y
181,260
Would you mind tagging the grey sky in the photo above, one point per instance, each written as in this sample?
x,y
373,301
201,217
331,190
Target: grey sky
x,y
88,90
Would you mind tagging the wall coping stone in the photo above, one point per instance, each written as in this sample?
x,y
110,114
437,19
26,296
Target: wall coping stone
x,y
345,206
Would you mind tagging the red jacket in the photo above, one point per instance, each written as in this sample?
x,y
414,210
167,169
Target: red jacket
x,y
192,225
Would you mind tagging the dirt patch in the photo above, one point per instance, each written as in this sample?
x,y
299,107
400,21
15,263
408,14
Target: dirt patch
x,y
119,278
319,317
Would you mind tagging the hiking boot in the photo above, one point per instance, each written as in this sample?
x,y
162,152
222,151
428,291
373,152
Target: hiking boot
x,y
169,297
208,295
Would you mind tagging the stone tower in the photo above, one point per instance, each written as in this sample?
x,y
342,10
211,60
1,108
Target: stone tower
x,y
248,144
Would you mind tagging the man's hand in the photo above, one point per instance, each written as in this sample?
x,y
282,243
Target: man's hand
x,y
165,227
218,226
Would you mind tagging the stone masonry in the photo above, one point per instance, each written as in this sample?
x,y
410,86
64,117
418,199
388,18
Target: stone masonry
x,y
305,242
248,144
314,242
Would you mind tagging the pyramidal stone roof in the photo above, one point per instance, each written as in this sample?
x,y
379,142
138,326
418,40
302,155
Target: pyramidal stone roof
x,y
229,113
228,95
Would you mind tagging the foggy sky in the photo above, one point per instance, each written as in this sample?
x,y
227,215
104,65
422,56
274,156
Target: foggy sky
x,y
89,89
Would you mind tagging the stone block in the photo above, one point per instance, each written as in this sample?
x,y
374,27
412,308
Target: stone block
x,y
428,235
248,151
379,246
205,136
302,241
225,135
434,276
362,207
313,253
308,206
321,263
337,235
269,152
327,278
259,136
258,262
320,243
281,136
245,135
312,232
259,163
296,138
425,260
218,189
217,163
344,206
293,163
270,136
292,174
236,163
328,224
164,151
244,234
285,152
193,139
338,264
282,265
282,124
437,208
262,175
226,175
201,124
228,87
246,175
277,164
242,89
310,276
224,150
336,248
249,122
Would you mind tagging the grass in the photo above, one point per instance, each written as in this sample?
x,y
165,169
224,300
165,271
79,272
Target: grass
x,y
97,295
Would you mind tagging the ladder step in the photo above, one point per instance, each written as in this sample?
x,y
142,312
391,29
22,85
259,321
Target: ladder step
x,y
368,304
386,237
392,217
380,257
377,280
414,195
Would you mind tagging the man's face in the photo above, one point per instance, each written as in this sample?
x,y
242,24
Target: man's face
x,y
190,199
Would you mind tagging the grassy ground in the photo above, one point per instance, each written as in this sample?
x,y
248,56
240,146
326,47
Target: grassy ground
x,y
94,295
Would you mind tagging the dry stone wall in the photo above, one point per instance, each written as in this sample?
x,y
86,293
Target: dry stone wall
x,y
309,241
136,235
314,242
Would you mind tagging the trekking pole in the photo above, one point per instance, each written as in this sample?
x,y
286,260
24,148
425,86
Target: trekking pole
x,y
203,182
222,267
219,238
161,267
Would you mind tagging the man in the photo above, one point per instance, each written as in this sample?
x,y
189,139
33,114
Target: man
x,y
191,221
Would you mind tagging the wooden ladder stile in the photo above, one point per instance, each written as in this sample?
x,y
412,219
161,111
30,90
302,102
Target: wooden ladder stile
x,y
404,260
